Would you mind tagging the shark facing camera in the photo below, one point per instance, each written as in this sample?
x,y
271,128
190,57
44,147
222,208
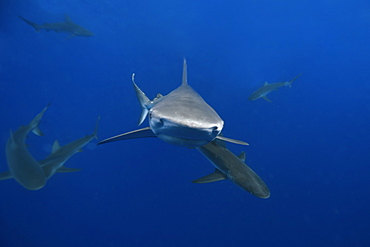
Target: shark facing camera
x,y
183,118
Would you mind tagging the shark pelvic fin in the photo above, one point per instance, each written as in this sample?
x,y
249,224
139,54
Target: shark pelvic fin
x,y
140,133
213,177
226,139
184,74
143,99
267,99
5,175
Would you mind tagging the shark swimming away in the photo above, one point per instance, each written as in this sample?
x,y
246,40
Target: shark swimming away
x,y
22,166
60,154
32,174
268,88
180,118
230,166
61,27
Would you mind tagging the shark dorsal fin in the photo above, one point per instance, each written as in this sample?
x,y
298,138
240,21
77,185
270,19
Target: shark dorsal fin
x,y
242,156
184,74
67,18
266,83
56,147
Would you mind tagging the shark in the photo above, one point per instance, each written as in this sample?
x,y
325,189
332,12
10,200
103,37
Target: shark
x,y
180,118
22,165
60,154
232,167
61,27
269,87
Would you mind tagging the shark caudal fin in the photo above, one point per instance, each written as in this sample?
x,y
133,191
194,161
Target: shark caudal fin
x,y
143,99
34,25
291,81
184,74
96,128
34,124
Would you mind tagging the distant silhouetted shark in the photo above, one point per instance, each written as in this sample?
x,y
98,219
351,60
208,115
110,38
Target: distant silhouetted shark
x,y
60,154
230,166
22,166
181,118
62,27
267,88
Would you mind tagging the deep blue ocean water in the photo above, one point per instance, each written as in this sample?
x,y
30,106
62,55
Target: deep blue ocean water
x,y
310,145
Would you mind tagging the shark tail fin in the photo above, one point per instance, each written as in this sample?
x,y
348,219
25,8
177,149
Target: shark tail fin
x,y
36,121
34,25
143,99
291,81
96,127
184,74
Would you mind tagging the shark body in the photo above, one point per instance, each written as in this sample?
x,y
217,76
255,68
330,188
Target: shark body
x,y
230,166
267,88
22,166
60,154
180,118
61,27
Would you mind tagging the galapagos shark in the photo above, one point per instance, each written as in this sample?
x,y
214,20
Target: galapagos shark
x,y
22,166
180,118
230,166
60,154
61,27
267,88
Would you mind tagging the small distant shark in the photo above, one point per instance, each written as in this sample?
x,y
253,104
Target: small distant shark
x,y
267,88
61,27
22,166
180,118
60,154
230,166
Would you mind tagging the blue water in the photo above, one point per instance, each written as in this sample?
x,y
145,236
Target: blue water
x,y
310,145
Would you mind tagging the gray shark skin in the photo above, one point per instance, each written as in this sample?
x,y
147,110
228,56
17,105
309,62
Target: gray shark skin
x,y
61,27
60,154
180,118
22,166
267,88
229,166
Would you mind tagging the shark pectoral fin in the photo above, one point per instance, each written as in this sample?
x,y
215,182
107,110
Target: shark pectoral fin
x,y
242,156
37,131
5,175
267,99
66,169
213,177
69,37
231,140
143,99
140,133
